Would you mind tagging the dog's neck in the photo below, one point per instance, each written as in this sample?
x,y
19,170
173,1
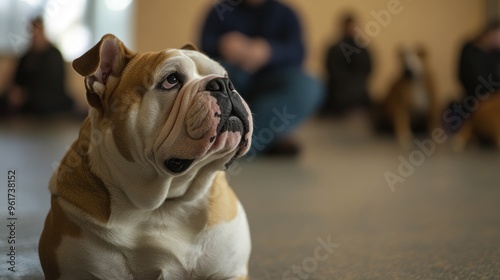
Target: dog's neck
x,y
139,184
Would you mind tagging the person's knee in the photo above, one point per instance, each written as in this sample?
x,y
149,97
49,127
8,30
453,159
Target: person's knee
x,y
302,80
316,88
308,89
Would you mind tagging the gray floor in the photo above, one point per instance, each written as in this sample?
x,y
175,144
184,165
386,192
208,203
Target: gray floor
x,y
331,214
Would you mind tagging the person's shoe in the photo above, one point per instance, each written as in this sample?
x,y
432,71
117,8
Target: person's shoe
x,y
284,147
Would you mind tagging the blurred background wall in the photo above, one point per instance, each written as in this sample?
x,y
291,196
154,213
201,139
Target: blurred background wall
x,y
441,26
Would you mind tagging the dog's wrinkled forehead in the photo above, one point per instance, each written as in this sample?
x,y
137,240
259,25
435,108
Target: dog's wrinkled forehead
x,y
191,62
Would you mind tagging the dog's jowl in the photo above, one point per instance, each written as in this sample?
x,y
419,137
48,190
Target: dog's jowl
x,y
141,193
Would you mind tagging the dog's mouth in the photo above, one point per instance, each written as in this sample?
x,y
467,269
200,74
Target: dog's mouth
x,y
235,124
178,165
232,124
234,115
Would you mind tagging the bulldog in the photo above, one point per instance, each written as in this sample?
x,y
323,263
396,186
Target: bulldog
x,y
141,194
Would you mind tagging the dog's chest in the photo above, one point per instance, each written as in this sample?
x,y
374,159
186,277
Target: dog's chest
x,y
155,246
181,248
420,97
135,246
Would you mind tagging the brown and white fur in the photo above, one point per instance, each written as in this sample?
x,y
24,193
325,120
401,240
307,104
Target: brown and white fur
x,y
140,194
411,97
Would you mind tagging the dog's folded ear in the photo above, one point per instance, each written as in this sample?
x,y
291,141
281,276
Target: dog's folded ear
x,y
190,47
106,59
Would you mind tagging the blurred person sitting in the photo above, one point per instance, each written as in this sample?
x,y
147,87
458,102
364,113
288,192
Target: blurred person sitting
x,y
478,73
39,81
348,66
260,44
481,58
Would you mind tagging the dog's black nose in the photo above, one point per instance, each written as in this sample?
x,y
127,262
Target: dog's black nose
x,y
223,85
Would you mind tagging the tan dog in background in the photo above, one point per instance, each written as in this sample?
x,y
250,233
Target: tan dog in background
x,y
411,98
483,123
140,194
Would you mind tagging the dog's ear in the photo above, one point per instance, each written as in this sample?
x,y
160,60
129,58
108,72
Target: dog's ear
x,y
190,47
106,59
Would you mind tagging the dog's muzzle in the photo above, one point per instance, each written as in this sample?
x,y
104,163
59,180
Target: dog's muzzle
x,y
233,116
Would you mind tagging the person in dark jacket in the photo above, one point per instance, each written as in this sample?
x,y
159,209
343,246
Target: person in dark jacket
x,y
348,66
39,81
260,44
478,73
480,58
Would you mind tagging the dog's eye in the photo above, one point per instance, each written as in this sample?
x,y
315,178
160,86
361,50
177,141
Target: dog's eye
x,y
170,81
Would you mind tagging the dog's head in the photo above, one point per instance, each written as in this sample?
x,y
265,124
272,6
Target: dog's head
x,y
173,109
413,61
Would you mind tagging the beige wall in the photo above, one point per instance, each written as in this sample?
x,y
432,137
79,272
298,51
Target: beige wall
x,y
440,25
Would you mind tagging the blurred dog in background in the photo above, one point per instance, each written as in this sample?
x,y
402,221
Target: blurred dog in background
x,y
483,124
410,105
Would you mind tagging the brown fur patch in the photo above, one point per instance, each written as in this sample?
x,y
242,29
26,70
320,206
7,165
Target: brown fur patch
x,y
485,121
77,184
222,203
56,226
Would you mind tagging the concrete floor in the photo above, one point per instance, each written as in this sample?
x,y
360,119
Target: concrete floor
x,y
330,214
